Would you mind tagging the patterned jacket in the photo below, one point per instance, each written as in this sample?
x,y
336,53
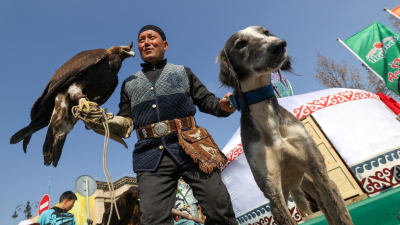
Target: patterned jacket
x,y
169,96
56,216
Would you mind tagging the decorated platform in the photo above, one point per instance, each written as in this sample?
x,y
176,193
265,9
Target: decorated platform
x,y
379,210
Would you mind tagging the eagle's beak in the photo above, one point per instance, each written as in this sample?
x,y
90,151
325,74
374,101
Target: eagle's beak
x,y
130,53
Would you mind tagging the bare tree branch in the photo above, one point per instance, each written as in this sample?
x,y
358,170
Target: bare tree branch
x,y
336,75
395,22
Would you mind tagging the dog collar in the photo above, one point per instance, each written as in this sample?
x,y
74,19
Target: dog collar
x,y
251,97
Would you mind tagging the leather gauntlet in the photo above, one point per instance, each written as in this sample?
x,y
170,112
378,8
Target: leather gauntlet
x,y
119,127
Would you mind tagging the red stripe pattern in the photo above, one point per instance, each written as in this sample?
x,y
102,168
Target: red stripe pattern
x,y
232,155
341,97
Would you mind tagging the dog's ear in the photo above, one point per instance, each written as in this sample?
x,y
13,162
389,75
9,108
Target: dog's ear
x,y
287,65
227,75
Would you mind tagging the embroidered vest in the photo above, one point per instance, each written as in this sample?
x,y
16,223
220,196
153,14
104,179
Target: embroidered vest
x,y
166,99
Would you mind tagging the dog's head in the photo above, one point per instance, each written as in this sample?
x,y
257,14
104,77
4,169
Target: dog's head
x,y
250,53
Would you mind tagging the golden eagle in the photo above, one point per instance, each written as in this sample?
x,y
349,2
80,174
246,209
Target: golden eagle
x,y
91,74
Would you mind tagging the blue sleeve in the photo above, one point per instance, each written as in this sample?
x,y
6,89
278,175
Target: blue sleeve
x,y
42,218
73,220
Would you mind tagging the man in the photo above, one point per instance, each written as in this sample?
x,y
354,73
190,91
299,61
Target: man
x,y
163,92
59,215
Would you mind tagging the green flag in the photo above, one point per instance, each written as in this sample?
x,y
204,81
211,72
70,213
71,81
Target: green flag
x,y
379,47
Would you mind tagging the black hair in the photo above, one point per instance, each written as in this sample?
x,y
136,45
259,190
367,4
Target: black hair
x,y
69,195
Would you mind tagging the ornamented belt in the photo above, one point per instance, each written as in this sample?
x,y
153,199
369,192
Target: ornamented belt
x,y
163,128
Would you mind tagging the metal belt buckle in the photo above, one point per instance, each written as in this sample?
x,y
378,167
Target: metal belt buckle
x,y
161,128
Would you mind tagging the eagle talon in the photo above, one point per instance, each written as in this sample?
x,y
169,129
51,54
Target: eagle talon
x,y
84,102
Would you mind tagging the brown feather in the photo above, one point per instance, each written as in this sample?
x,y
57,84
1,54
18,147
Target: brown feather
x,y
69,71
61,123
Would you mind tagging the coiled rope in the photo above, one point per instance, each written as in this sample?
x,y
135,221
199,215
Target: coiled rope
x,y
90,112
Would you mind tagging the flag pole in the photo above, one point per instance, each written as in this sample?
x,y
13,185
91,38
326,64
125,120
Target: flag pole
x,y
391,13
48,187
365,64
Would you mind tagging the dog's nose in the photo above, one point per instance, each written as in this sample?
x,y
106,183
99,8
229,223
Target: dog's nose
x,y
277,46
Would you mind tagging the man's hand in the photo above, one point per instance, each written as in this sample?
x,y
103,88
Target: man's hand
x,y
225,104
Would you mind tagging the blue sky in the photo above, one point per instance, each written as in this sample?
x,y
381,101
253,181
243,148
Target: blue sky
x,y
38,37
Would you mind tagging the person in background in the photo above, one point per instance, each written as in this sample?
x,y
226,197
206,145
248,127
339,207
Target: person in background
x,y
58,215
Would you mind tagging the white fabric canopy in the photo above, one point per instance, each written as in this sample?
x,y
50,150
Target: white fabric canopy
x,y
356,122
360,129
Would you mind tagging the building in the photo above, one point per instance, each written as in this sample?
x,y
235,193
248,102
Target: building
x,y
102,196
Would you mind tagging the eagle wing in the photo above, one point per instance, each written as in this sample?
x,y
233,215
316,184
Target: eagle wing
x,y
43,107
66,74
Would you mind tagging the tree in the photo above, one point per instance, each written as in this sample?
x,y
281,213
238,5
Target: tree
x,y
335,75
395,22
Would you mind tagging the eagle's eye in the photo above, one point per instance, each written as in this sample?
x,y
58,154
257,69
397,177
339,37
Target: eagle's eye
x,y
241,44
266,33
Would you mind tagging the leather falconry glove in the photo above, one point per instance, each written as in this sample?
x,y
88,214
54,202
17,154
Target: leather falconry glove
x,y
93,116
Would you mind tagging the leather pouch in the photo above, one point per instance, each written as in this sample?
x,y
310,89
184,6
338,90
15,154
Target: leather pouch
x,y
201,147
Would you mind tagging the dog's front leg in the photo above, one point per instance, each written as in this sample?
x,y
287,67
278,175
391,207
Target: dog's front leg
x,y
265,165
274,190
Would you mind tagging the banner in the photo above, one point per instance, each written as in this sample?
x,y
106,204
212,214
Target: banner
x,y
282,87
379,47
396,10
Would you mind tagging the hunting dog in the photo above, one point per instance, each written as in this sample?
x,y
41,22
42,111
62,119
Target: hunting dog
x,y
282,155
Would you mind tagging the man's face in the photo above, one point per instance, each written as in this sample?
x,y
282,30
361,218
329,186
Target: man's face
x,y
151,46
69,204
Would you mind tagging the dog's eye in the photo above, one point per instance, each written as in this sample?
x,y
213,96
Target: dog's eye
x,y
266,32
241,44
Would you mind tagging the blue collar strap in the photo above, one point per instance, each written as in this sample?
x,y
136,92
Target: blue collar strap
x,y
251,97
